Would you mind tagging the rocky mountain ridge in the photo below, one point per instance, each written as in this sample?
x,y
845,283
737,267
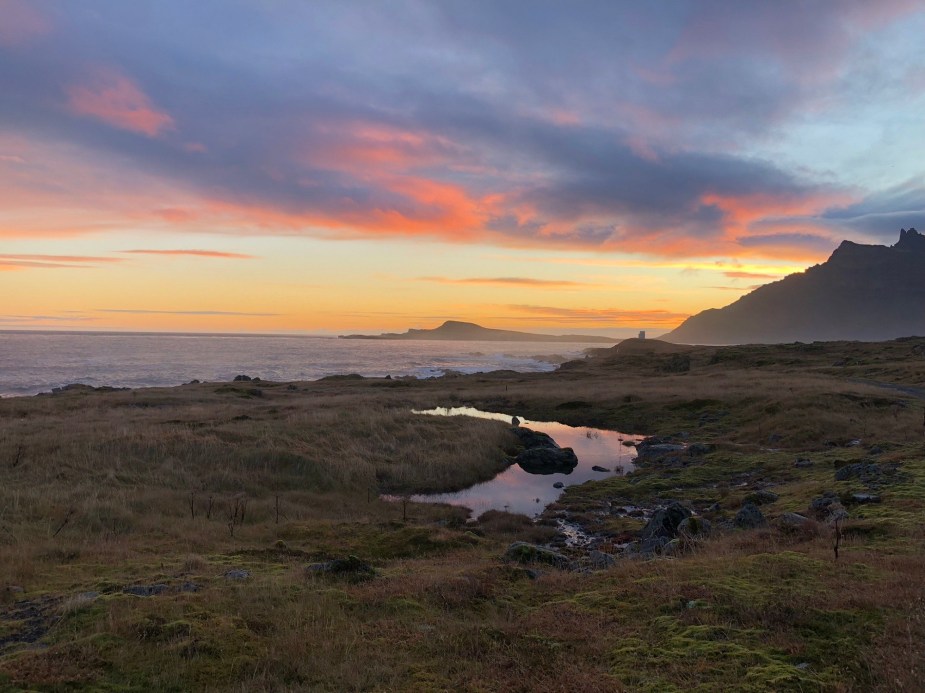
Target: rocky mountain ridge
x,y
862,292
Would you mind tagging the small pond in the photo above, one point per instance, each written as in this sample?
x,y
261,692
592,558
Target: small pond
x,y
518,491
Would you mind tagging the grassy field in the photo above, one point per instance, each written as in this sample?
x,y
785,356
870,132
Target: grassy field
x,y
158,539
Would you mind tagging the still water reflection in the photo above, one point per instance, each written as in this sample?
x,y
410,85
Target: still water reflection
x,y
517,491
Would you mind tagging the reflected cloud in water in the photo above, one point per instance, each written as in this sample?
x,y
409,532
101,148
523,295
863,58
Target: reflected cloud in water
x,y
518,491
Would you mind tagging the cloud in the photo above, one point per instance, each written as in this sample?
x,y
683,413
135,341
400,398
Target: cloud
x,y
750,275
613,317
507,281
512,135
11,262
143,311
43,318
22,23
113,98
735,288
194,253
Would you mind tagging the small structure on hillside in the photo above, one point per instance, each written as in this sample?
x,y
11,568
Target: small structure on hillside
x,y
642,334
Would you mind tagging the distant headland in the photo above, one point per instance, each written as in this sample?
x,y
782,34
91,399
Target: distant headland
x,y
470,332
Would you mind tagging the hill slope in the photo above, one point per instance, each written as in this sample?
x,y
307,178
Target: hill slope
x,y
862,292
469,331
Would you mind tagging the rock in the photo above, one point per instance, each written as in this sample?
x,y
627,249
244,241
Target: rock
x,y
803,463
665,522
534,439
558,484
601,560
15,589
875,450
628,444
822,503
189,587
699,449
547,460
242,379
237,574
515,422
533,573
695,527
714,508
672,548
775,438
761,497
597,468
145,590
647,547
856,470
654,448
793,522
863,498
827,507
351,567
749,517
522,552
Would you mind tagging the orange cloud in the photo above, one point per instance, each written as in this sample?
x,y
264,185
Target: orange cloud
x,y
193,252
353,146
750,275
116,100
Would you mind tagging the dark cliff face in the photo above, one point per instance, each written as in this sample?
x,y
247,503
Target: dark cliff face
x,y
862,292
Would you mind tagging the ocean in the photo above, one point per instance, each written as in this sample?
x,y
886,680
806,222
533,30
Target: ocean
x,y
33,362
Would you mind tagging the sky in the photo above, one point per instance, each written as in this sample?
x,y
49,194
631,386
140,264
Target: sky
x,y
326,167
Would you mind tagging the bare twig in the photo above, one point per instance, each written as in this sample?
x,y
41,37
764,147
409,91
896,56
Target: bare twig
x,y
209,509
192,504
838,536
67,518
18,457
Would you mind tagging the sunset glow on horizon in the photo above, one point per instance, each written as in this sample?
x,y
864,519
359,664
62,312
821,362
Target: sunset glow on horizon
x,y
333,167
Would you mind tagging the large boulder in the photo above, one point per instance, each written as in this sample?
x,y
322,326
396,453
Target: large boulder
x,y
547,460
352,568
543,455
665,522
794,523
522,552
695,528
749,517
534,439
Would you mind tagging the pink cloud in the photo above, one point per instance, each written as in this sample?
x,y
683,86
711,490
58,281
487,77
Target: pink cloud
x,y
115,99
21,23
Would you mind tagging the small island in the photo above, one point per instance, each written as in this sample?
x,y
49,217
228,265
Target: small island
x,y
470,332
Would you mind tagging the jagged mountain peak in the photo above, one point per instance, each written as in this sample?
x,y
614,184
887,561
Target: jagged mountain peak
x,y
862,292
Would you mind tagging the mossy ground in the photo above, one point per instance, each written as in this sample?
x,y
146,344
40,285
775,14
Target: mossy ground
x,y
759,610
